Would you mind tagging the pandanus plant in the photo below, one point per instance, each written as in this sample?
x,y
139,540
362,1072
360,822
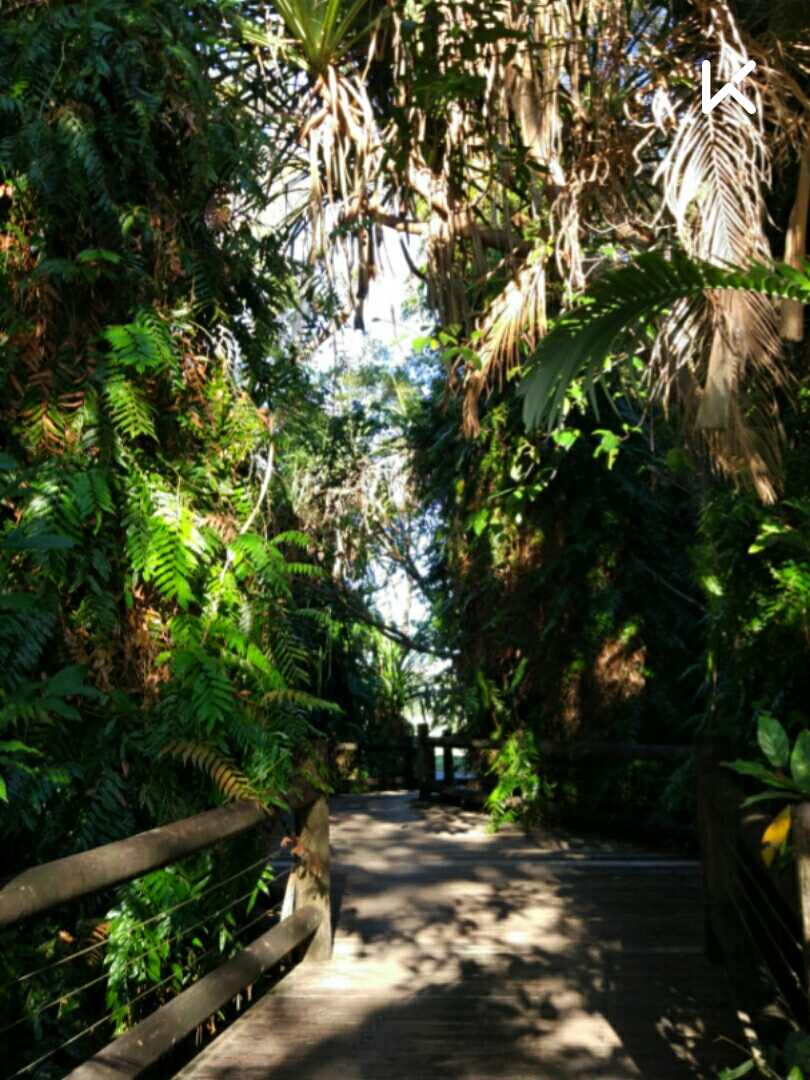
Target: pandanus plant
x,y
336,122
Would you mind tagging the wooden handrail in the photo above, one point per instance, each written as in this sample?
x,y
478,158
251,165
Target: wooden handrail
x,y
547,747
616,751
41,888
143,1045
801,846
353,746
621,751
551,747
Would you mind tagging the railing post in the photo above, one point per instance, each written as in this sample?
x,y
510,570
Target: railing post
x,y
332,762
409,778
801,848
312,873
718,825
424,763
449,770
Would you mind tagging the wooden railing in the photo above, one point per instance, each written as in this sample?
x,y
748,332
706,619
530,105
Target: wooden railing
x,y
304,934
757,917
385,754
548,748
581,761
423,752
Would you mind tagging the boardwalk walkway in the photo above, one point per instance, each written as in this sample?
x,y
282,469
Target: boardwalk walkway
x,y
462,956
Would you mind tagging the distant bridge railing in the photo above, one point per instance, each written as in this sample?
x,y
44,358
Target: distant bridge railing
x,y
430,764
303,933
411,763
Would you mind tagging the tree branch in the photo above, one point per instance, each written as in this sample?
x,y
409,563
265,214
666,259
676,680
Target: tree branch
x,y
498,239
391,632
666,584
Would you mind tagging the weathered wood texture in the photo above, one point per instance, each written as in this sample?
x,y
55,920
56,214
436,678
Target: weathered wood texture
x,y
44,887
312,875
427,763
463,956
801,847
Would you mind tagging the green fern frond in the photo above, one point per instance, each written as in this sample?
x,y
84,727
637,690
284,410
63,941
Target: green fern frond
x,y
306,570
176,542
129,410
300,698
291,537
229,779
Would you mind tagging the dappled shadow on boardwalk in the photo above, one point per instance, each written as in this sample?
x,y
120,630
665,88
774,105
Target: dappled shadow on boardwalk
x,y
461,956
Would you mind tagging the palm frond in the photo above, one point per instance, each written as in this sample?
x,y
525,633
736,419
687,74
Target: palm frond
x,y
516,318
712,177
631,297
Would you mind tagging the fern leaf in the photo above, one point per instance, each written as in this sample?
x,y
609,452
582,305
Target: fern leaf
x,y
228,778
130,411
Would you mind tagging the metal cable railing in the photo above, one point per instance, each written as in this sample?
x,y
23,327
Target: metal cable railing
x,y
302,927
763,893
754,922
138,926
196,963
757,914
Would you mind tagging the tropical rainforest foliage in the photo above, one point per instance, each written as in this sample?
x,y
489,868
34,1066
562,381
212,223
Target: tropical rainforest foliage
x,y
591,477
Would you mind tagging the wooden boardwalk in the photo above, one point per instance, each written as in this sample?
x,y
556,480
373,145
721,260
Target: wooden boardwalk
x,y
463,956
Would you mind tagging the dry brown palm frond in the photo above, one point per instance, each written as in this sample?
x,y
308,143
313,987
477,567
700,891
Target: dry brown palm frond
x,y
796,246
712,177
516,318
781,64
709,350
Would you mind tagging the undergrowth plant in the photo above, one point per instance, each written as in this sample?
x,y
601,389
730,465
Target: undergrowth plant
x,y
521,793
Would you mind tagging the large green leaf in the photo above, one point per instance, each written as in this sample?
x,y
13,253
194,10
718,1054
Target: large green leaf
x,y
741,1070
15,541
754,768
323,30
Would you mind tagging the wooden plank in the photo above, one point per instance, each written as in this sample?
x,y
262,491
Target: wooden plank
x,y
313,875
426,762
801,846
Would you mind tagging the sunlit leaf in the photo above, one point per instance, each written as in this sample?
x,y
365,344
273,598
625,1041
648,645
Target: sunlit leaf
x,y
775,835
741,1070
